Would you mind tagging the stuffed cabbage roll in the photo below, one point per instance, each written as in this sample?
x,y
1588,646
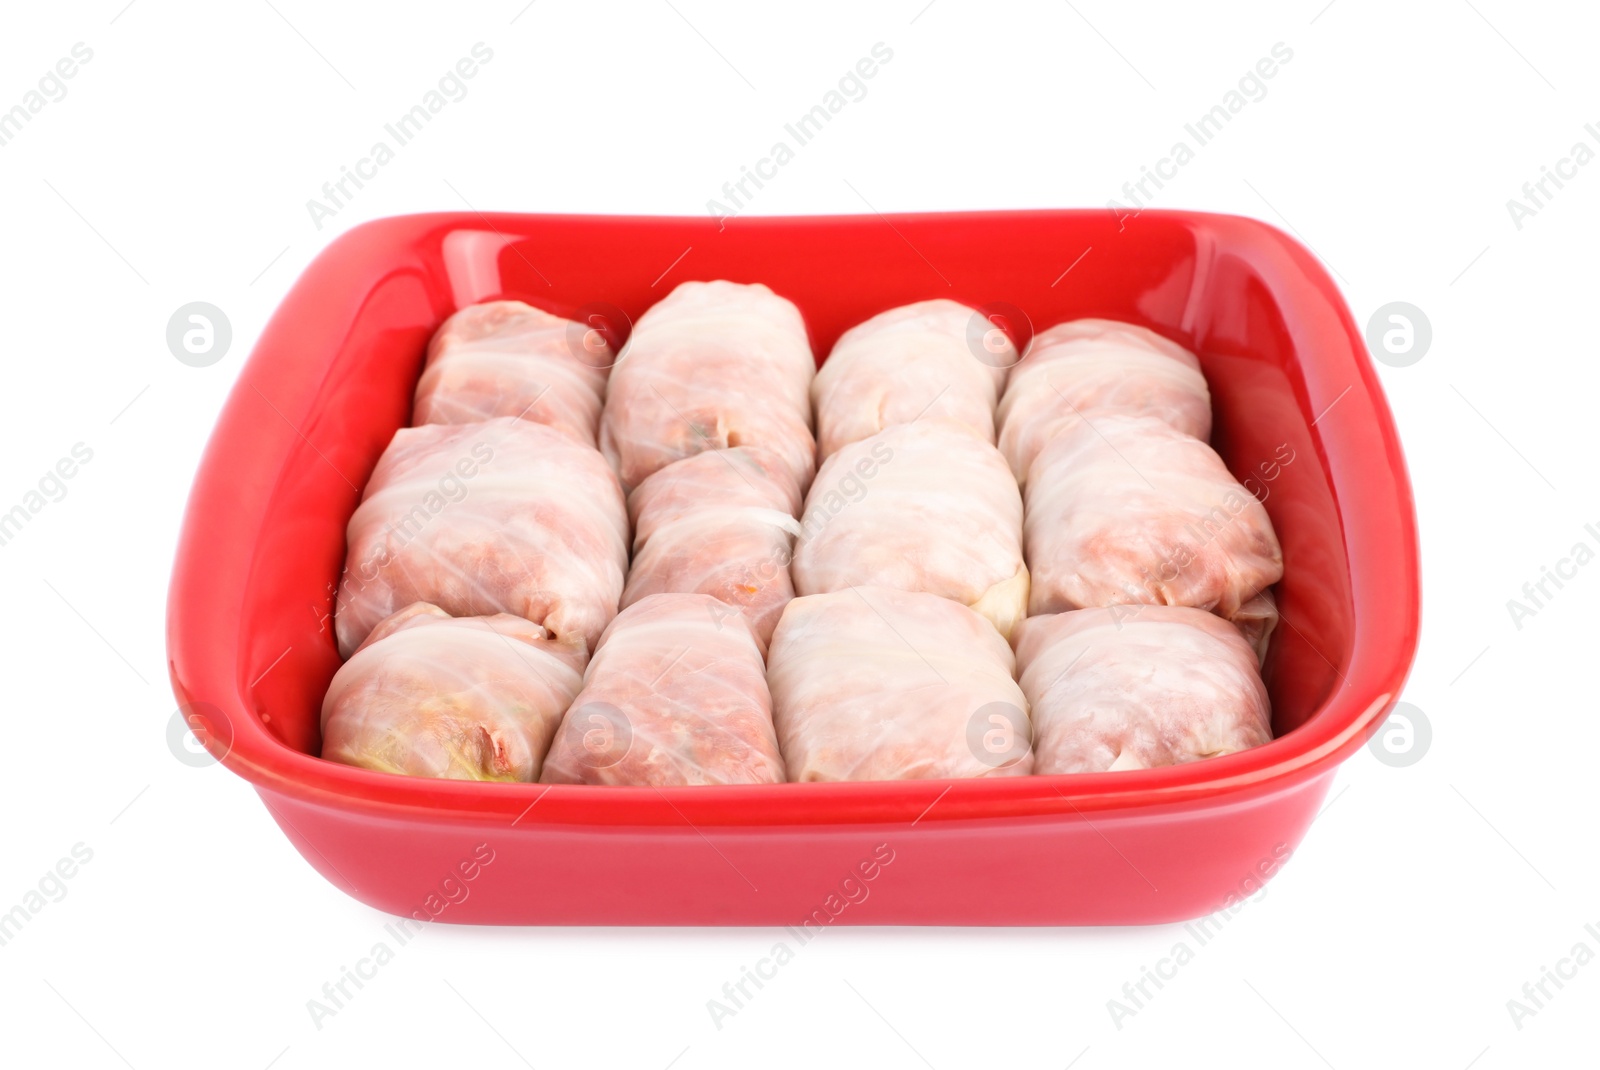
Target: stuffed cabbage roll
x,y
506,358
675,695
1134,687
464,698
712,365
922,506
908,363
504,516
720,523
878,684
1125,509
1092,367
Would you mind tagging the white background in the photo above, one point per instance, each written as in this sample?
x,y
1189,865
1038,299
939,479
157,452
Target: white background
x,y
177,169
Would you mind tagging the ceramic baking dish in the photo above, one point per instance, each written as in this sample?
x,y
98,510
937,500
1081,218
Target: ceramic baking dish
x,y
252,650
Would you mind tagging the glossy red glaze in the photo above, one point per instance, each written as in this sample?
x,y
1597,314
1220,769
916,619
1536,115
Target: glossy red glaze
x,y
263,541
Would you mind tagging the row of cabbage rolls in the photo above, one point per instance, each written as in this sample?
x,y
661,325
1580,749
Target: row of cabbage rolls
x,y
704,561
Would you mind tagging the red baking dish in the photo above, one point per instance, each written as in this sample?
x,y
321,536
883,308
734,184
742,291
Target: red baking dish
x,y
263,541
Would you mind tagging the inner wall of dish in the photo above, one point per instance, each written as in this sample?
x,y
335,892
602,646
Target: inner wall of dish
x,y
1166,275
